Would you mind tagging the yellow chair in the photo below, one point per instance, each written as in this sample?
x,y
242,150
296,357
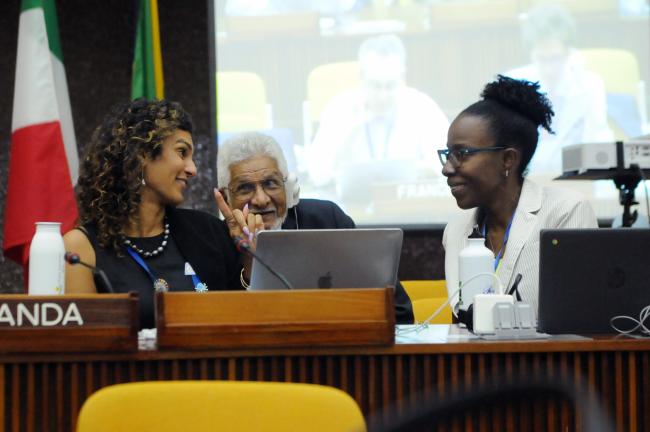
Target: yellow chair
x,y
323,83
419,289
423,308
241,102
619,70
165,406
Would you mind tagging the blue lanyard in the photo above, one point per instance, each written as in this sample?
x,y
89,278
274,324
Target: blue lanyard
x,y
138,259
198,285
497,259
389,131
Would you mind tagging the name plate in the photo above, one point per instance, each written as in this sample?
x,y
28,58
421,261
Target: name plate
x,y
291,318
74,323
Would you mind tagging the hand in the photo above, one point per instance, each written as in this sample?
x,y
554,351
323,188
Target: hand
x,y
241,223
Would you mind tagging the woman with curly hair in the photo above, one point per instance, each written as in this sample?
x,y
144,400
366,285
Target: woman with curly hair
x,y
133,176
489,146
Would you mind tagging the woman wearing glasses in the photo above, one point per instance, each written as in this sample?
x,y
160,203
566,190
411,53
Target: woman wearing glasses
x,y
133,176
489,146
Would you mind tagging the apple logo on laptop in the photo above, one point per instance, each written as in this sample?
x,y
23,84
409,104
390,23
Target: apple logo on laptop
x,y
325,281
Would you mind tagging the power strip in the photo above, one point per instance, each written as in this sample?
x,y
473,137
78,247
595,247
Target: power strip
x,y
483,311
498,317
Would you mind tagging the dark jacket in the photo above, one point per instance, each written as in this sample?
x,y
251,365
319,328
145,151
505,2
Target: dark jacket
x,y
201,239
204,241
320,214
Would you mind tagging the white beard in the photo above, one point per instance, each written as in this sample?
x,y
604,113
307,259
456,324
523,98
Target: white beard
x,y
279,221
277,226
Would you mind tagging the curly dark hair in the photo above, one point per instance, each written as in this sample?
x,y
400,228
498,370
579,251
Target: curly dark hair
x,y
514,110
110,177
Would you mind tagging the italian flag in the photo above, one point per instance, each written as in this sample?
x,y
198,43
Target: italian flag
x,y
43,163
147,75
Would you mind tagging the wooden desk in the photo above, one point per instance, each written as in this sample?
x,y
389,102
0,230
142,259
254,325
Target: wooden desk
x,y
44,392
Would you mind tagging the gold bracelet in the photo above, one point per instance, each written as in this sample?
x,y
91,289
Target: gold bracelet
x,y
242,280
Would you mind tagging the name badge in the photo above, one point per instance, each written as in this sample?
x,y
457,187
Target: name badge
x,y
189,271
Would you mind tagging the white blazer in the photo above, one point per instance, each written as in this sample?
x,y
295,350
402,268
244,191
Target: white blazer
x,y
538,208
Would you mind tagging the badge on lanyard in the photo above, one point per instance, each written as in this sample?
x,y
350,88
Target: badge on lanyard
x,y
160,285
198,285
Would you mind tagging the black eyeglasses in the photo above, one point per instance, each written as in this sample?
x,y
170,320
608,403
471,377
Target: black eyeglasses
x,y
244,191
457,155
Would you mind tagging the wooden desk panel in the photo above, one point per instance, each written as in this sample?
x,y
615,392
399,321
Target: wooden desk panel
x,y
45,392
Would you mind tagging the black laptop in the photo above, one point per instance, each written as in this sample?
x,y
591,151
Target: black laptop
x,y
588,276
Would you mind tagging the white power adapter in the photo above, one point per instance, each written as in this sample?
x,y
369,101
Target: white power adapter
x,y
483,315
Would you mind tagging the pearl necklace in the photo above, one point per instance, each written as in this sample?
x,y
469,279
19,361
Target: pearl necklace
x,y
155,252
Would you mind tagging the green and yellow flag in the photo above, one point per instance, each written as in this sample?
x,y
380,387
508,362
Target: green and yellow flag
x,y
147,79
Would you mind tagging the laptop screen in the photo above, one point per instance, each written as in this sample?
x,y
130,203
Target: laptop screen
x,y
343,258
588,276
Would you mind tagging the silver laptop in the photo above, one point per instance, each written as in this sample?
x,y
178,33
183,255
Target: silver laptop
x,y
338,258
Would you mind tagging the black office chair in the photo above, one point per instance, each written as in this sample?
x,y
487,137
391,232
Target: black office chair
x,y
428,412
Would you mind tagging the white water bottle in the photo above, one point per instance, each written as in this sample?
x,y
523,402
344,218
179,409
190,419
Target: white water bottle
x,y
473,260
46,260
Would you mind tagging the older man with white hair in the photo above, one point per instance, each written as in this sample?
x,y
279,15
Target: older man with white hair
x,y
250,160
380,121
256,191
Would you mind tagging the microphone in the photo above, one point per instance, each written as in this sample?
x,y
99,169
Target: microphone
x,y
243,246
99,276
514,290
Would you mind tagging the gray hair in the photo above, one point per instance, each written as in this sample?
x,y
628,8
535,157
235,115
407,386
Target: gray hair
x,y
246,146
548,21
383,45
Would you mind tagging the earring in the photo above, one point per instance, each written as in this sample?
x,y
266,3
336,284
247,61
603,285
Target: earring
x,y
143,182
507,172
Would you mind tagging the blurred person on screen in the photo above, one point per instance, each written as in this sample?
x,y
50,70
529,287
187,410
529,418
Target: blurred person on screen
x,y
489,147
578,95
133,178
253,180
382,122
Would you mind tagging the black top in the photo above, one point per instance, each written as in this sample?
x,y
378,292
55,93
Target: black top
x,y
316,214
197,238
164,266
321,214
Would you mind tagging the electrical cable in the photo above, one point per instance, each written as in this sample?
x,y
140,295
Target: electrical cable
x,y
639,324
424,324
